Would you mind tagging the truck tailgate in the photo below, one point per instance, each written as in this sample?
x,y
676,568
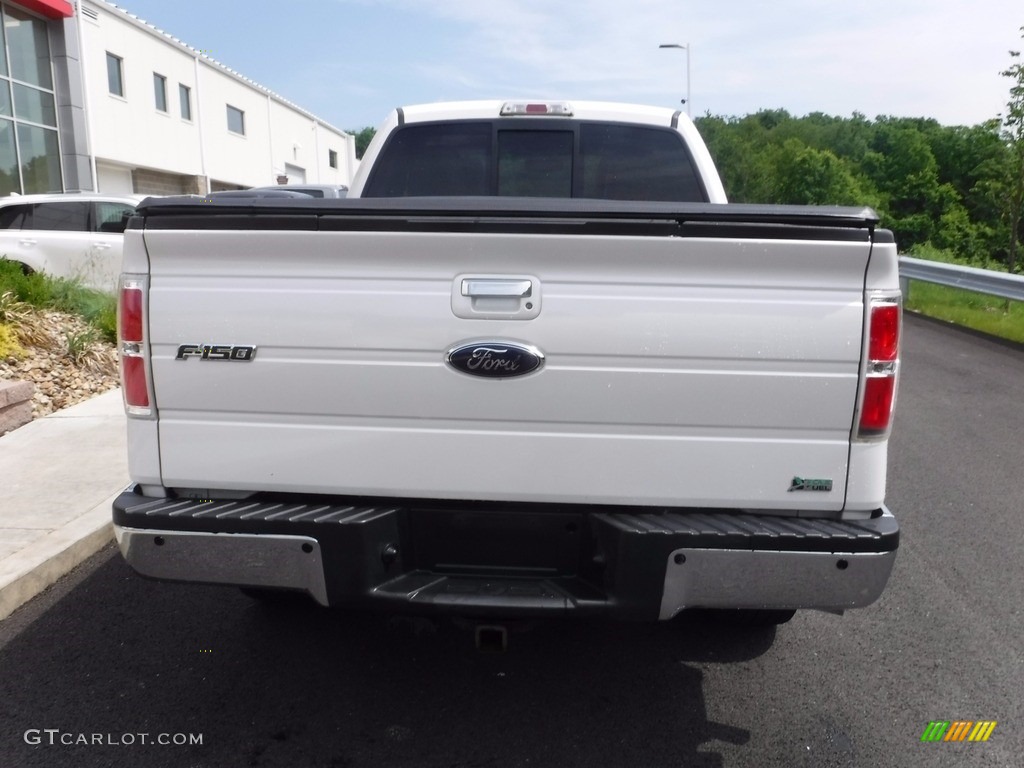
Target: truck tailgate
x,y
699,371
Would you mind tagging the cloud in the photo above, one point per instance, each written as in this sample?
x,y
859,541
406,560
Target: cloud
x,y
902,57
523,44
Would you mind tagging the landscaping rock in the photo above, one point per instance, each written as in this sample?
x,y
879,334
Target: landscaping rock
x,y
60,379
15,404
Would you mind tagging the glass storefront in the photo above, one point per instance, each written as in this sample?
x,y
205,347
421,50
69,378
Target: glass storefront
x,y
29,149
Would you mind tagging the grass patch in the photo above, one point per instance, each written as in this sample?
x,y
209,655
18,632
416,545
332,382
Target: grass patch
x,y
987,314
98,309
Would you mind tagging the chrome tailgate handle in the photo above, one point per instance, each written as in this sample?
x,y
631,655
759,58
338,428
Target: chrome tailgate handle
x,y
483,287
496,297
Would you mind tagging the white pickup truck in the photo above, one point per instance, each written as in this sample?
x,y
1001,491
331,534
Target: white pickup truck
x,y
534,365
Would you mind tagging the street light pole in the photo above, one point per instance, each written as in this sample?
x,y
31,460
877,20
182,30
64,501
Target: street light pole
x,y
686,48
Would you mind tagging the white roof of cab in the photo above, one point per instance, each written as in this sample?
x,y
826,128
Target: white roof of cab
x,y
581,110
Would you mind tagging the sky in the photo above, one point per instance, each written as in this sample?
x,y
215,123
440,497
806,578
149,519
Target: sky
x,y
350,62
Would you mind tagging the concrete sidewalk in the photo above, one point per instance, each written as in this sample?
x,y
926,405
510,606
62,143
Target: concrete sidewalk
x,y
58,478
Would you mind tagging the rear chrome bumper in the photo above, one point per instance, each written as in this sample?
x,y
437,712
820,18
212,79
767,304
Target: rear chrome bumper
x,y
240,559
729,578
511,560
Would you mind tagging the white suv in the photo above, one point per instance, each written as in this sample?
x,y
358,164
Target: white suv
x,y
74,235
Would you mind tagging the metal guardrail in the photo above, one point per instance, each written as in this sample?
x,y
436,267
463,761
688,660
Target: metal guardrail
x,y
1000,284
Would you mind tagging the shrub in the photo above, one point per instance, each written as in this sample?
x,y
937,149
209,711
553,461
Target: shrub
x,y
9,346
44,292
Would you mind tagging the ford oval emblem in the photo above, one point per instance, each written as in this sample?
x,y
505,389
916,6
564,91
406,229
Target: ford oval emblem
x,y
495,359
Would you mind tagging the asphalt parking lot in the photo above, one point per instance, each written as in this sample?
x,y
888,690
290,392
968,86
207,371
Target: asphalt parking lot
x,y
107,653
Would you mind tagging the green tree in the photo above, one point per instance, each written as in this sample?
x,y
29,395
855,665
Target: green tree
x,y
809,176
743,154
903,167
363,138
938,187
962,153
1013,135
957,233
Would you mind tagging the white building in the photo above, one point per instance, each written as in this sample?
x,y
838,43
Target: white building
x,y
93,98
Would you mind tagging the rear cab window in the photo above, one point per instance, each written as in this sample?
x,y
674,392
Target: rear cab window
x,y
434,159
539,158
535,163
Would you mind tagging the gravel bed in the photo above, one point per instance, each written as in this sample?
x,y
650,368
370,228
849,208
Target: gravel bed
x,y
67,363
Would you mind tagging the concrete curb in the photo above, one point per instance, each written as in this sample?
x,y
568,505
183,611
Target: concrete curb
x,y
60,475
42,563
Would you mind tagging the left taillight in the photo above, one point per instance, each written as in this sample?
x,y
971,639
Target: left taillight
x,y
132,343
881,366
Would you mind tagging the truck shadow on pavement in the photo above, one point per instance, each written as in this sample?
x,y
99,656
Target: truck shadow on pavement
x,y
119,655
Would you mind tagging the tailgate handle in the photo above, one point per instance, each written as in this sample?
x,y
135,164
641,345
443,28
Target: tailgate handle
x,y
518,289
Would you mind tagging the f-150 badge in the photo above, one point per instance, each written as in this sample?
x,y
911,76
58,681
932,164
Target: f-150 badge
x,y
232,352
495,359
802,484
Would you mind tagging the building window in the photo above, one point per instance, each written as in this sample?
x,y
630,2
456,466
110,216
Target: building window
x,y
236,120
10,179
185,97
332,158
160,91
40,159
115,74
28,47
34,106
29,149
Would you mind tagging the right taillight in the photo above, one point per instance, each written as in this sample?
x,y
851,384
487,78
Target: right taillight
x,y
881,366
135,384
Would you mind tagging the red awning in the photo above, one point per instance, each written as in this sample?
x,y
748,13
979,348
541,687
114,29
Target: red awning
x,y
51,9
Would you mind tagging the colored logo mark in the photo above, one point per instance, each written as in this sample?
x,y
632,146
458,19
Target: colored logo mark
x,y
958,730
